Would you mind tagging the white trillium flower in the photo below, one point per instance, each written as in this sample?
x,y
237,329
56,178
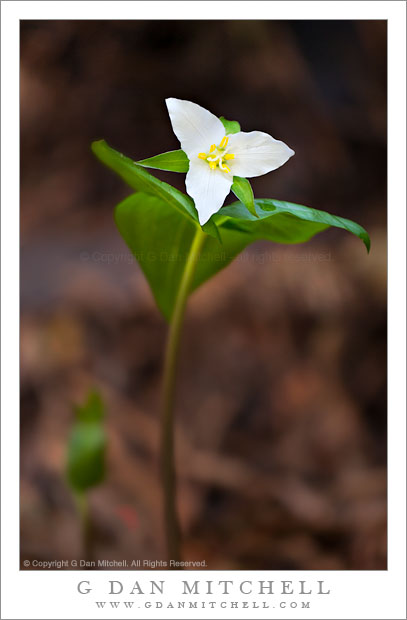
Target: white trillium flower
x,y
214,158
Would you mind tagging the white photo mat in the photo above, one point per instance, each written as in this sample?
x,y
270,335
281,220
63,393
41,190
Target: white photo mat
x,y
353,594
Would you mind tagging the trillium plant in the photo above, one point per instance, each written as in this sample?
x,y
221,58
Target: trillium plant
x,y
197,235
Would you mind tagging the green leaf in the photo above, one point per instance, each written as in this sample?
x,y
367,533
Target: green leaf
x,y
243,191
284,222
87,446
230,126
160,237
173,161
141,180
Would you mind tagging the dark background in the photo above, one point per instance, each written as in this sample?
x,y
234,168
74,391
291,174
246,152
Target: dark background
x,y
282,390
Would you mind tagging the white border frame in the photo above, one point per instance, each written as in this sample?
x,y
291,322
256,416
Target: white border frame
x,y
354,594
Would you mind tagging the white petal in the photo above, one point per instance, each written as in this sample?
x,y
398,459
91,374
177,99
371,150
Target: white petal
x,y
207,187
196,128
256,153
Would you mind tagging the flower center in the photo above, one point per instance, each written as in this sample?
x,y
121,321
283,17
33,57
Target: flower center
x,y
218,155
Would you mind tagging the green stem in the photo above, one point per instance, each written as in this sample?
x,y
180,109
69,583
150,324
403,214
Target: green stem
x,y
172,529
86,530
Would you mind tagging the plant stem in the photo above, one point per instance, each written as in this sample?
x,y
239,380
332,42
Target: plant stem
x,y
172,529
86,530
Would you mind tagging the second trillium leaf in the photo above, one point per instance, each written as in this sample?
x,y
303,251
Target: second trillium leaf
x,y
85,466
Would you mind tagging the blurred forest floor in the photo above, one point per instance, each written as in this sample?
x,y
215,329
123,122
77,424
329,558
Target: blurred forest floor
x,y
281,411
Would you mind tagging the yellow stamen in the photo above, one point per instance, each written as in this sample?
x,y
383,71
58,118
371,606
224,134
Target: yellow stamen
x,y
217,156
